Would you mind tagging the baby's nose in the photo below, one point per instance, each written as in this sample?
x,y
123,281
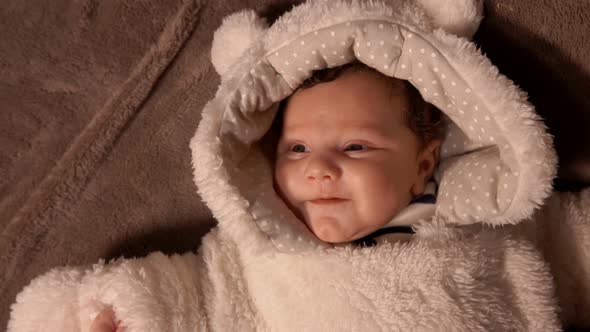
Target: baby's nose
x,y
318,176
322,169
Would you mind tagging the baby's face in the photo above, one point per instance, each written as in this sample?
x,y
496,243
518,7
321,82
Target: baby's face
x,y
347,162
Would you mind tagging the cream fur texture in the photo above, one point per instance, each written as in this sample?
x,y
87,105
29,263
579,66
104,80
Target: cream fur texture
x,y
458,17
487,261
236,34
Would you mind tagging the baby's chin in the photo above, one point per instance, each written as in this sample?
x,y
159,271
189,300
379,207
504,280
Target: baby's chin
x,y
330,230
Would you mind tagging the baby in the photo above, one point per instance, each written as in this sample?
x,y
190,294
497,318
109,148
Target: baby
x,y
356,148
347,166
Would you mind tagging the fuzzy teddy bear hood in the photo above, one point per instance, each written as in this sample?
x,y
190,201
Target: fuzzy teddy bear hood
x,y
497,161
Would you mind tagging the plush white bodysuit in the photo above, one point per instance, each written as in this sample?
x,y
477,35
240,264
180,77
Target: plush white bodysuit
x,y
490,255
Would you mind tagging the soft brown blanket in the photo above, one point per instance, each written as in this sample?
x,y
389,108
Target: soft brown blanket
x,y
99,100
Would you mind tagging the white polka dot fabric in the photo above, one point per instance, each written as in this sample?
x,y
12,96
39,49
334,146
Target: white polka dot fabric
x,y
376,44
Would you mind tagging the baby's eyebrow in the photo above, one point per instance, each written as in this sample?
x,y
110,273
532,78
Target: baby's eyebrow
x,y
298,131
371,130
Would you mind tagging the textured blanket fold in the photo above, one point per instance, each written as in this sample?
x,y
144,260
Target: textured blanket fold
x,y
477,265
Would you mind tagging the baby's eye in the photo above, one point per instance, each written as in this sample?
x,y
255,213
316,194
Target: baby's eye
x,y
356,147
298,148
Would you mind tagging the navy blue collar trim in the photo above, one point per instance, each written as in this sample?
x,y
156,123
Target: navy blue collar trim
x,y
369,241
425,199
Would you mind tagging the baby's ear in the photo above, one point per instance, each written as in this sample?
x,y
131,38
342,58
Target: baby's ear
x,y
427,161
236,34
429,158
435,148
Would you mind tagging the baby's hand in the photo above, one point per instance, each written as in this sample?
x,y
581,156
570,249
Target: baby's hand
x,y
105,322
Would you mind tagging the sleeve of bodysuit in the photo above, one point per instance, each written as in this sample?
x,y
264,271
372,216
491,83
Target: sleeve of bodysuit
x,y
154,293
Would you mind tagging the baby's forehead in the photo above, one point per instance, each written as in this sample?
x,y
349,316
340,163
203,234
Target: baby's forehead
x,y
343,125
393,91
397,87
362,97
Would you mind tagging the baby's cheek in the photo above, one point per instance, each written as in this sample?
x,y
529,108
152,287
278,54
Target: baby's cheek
x,y
287,184
281,177
374,179
378,196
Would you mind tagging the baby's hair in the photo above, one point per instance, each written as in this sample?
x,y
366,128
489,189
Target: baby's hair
x,y
425,120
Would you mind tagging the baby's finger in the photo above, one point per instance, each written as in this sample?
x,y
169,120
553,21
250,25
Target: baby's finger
x,y
104,322
120,327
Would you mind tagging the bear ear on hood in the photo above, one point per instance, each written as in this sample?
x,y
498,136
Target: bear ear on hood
x,y
458,17
240,30
236,34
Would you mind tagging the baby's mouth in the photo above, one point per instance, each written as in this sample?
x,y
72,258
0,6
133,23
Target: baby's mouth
x,y
327,201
